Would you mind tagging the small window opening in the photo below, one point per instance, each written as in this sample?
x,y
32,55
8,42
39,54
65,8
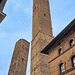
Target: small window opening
x,y
62,68
0,1
60,51
44,14
22,59
73,61
71,42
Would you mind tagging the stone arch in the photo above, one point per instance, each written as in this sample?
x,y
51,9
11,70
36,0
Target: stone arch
x,y
59,49
70,41
60,63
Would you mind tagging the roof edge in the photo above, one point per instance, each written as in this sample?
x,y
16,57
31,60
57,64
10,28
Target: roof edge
x,y
57,38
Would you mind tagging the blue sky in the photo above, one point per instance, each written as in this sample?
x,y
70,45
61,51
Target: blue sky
x,y
18,24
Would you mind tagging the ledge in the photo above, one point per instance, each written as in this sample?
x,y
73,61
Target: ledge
x,y
62,53
67,71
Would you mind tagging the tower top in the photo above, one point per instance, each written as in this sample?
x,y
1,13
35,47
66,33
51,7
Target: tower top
x,y
41,18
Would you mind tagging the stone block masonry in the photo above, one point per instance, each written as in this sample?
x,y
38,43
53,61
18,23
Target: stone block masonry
x,y
19,60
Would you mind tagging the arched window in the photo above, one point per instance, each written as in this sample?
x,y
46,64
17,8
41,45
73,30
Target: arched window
x,y
73,61
62,68
60,51
71,42
0,1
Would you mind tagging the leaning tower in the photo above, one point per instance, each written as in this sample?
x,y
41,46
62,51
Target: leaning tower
x,y
41,36
19,59
2,15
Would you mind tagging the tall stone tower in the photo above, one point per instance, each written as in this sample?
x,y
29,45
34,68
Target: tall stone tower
x,y
41,36
19,59
2,15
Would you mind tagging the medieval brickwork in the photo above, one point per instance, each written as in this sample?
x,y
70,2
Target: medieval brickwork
x,y
2,15
41,36
41,18
67,52
19,59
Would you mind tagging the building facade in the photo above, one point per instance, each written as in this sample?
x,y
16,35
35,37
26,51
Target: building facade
x,y
19,60
61,51
2,15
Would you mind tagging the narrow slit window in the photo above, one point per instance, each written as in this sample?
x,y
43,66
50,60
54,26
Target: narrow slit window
x,y
60,51
22,59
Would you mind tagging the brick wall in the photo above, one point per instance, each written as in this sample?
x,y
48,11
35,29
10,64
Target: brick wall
x,y
67,52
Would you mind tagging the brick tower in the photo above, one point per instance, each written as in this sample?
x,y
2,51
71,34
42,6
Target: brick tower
x,y
41,36
19,59
2,15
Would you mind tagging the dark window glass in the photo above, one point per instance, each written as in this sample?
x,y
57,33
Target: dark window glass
x,y
60,51
62,68
73,61
71,42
